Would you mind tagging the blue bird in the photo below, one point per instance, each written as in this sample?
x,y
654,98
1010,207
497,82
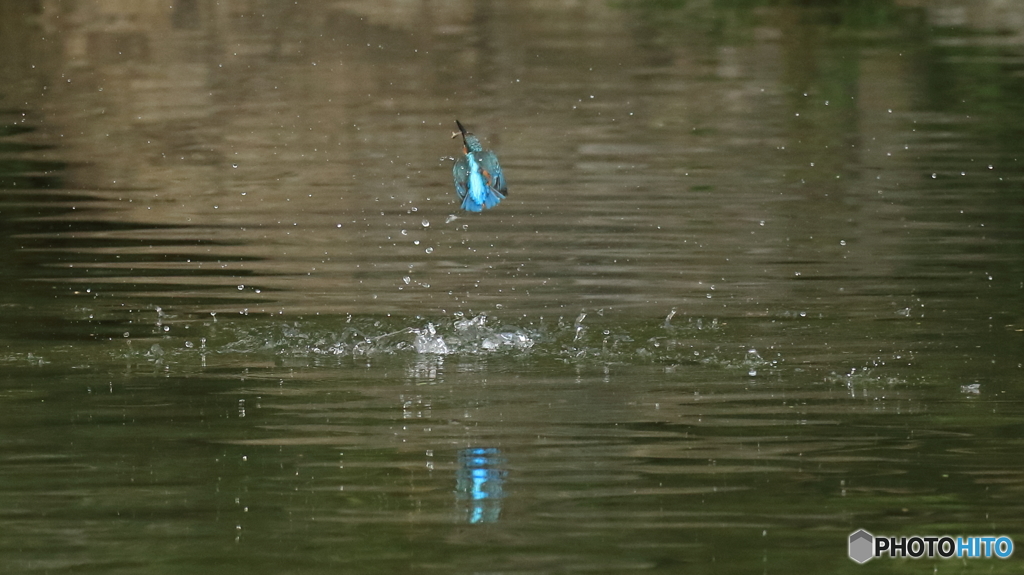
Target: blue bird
x,y
478,178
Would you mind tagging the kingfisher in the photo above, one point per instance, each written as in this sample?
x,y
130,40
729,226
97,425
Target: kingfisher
x,y
478,178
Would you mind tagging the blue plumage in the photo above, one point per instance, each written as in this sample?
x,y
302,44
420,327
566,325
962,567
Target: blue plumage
x,y
478,178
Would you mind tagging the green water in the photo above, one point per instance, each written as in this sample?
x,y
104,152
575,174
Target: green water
x,y
757,284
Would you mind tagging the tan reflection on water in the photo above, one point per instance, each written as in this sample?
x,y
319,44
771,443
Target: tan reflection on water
x,y
302,149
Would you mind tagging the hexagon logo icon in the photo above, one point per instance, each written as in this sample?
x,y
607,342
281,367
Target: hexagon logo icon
x,y
861,546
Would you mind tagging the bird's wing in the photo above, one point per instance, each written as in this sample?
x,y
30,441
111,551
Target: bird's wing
x,y
460,173
495,179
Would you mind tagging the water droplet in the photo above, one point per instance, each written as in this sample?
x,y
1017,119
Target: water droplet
x,y
407,279
842,242
241,287
425,223
429,250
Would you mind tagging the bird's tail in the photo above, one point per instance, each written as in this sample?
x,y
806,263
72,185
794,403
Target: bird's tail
x,y
477,204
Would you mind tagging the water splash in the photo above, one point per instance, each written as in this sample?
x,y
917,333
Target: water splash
x,y
579,327
427,340
674,340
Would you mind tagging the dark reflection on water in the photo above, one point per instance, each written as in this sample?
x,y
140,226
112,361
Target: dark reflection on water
x,y
607,468
757,285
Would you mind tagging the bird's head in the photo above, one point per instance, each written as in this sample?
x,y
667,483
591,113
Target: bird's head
x,y
470,143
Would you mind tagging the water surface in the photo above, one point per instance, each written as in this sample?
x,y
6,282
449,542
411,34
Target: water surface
x,y
757,285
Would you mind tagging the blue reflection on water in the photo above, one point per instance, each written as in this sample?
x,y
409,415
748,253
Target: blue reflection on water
x,y
479,481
